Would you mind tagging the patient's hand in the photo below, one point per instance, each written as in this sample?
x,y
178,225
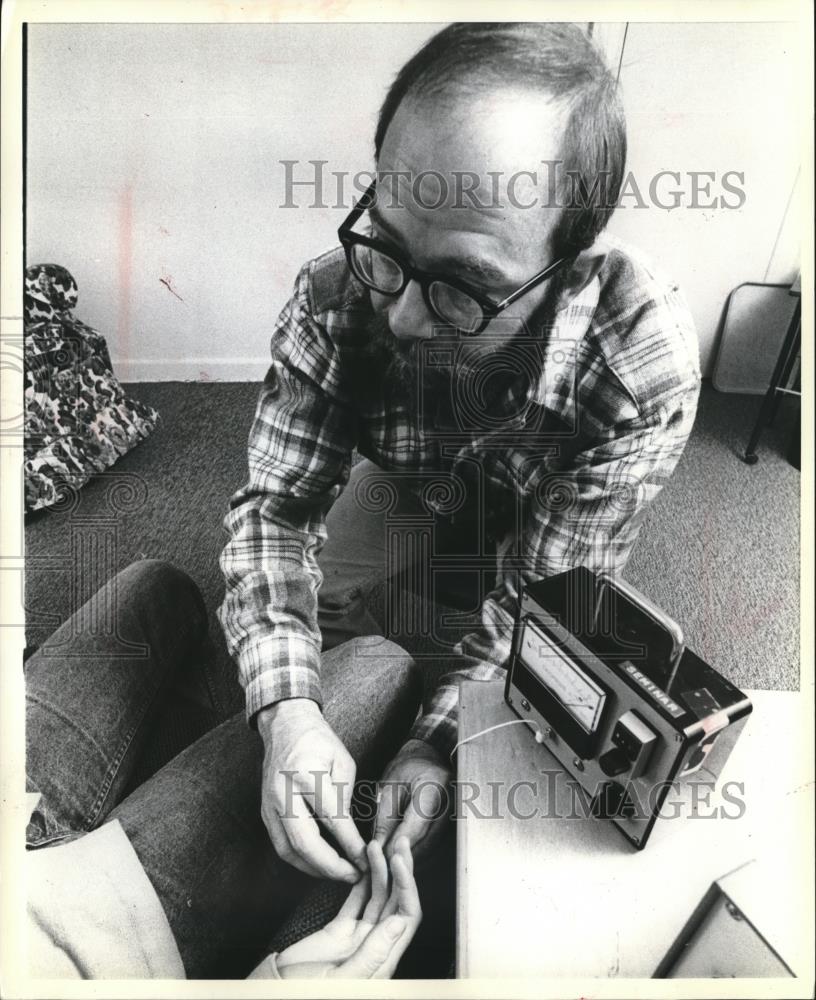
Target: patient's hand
x,y
372,930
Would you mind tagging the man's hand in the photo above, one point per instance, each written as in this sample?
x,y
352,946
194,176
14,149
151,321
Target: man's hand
x,y
308,778
372,930
413,799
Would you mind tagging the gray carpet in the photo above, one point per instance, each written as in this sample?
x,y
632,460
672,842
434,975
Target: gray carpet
x,y
719,550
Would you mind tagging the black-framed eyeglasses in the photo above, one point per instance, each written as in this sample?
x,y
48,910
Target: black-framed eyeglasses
x,y
454,302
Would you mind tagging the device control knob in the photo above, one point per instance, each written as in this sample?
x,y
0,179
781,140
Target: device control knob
x,y
614,762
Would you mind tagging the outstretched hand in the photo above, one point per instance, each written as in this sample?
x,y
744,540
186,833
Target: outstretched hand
x,y
369,935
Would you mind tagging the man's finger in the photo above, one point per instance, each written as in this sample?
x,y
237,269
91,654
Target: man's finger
x,y
310,848
304,838
377,956
392,797
283,848
331,806
422,814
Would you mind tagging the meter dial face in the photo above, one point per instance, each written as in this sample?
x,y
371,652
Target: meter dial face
x,y
563,678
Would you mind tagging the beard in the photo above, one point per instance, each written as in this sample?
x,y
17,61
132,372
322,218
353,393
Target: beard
x,y
389,367
459,373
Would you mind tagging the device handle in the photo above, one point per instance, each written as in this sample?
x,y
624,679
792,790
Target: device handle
x,y
652,610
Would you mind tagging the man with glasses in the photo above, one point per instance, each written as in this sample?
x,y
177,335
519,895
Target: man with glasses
x,y
507,373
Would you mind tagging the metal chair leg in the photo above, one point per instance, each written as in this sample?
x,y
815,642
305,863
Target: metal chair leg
x,y
782,369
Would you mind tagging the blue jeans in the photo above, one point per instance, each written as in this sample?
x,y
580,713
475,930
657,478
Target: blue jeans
x,y
96,698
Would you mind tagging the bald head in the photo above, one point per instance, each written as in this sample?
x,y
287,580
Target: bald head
x,y
525,93
494,246
458,179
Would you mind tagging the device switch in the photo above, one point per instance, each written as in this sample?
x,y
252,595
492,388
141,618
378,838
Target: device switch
x,y
632,744
615,761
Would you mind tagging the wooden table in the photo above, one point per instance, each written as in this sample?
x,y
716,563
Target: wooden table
x,y
569,897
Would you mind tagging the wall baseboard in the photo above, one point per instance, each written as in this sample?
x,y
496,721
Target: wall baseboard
x,y
192,370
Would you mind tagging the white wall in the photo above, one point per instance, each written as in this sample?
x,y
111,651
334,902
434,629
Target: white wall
x,y
713,97
153,153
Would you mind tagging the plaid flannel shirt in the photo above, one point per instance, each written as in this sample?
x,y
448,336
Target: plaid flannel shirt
x,y
566,470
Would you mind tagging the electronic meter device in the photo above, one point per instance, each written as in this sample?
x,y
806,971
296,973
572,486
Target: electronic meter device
x,y
604,677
